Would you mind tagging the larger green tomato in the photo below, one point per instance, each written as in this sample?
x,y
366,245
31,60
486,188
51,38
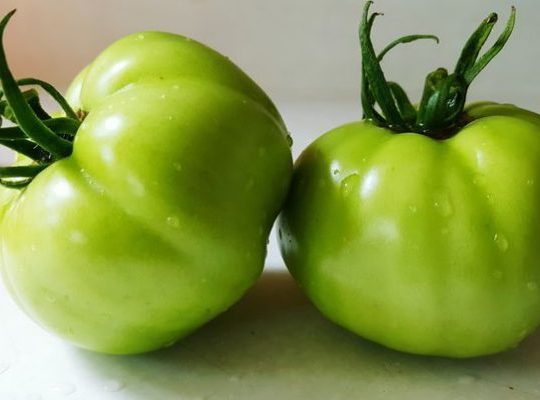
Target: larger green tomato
x,y
159,219
418,228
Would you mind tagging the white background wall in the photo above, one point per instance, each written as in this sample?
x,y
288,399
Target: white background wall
x,y
304,53
298,50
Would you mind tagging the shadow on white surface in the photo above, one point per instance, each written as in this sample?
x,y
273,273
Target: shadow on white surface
x,y
275,345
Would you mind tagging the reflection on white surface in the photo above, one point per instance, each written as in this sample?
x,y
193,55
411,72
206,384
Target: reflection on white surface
x,y
267,347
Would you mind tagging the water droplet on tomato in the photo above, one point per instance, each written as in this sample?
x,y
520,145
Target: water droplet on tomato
x,y
444,206
349,184
532,286
50,298
413,209
335,172
113,385
173,221
163,96
501,242
530,182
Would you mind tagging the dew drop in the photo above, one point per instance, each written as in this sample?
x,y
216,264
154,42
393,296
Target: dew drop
x,y
335,172
489,198
170,117
163,96
530,182
173,221
140,36
177,166
50,298
501,242
532,286
349,184
413,209
364,160
444,206
113,385
64,388
176,87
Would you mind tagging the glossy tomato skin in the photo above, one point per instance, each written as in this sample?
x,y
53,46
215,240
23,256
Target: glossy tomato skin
x,y
425,246
159,219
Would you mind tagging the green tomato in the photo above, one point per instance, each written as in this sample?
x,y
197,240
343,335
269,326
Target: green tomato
x,y
425,246
159,219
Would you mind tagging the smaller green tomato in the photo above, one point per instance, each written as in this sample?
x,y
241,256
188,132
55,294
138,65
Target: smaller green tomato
x,y
423,242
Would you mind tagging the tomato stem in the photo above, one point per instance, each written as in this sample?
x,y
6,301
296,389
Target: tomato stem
x,y
441,109
36,135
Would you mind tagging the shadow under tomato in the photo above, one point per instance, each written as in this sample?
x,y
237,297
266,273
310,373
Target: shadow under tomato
x,y
274,344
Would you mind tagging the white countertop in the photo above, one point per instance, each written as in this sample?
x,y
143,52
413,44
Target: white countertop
x,y
272,345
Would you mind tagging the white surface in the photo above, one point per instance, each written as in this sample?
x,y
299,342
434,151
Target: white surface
x,y
272,345
297,50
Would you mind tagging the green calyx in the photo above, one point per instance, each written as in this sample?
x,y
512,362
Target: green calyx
x,y
35,134
441,110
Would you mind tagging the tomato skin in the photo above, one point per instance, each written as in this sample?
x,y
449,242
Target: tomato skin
x,y
421,245
159,219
